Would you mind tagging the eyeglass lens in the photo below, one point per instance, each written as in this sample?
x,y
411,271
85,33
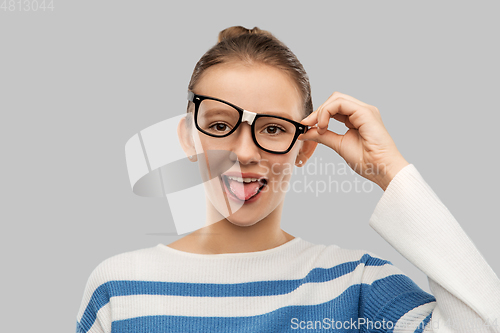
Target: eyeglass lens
x,y
217,119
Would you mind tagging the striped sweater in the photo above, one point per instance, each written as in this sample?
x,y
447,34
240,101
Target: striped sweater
x,y
301,286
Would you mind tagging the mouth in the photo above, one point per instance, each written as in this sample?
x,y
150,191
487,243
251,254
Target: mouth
x,y
243,189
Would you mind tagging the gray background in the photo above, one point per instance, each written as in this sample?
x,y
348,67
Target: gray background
x,y
78,82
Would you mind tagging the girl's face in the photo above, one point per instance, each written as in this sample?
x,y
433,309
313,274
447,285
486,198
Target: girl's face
x,y
260,89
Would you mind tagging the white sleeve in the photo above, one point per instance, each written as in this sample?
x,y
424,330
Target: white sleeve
x,y
411,218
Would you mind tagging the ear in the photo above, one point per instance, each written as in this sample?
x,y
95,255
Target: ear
x,y
305,152
184,134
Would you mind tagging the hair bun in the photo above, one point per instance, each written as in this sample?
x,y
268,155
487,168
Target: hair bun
x,y
238,30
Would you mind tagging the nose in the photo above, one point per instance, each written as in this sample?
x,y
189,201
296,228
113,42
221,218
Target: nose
x,y
243,146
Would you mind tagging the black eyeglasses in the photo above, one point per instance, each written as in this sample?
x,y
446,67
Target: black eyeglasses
x,y
218,118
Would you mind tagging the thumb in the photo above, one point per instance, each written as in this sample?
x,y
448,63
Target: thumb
x,y
328,138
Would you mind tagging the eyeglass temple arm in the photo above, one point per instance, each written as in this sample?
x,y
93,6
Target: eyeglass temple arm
x,y
304,129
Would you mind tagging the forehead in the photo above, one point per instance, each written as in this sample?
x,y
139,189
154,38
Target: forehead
x,y
258,88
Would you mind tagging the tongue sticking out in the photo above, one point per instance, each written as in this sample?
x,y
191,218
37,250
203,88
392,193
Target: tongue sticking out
x,y
243,191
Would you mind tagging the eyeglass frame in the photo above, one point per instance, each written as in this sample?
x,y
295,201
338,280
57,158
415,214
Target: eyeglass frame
x,y
247,116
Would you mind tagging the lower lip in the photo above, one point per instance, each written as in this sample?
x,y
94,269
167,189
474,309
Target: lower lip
x,y
231,195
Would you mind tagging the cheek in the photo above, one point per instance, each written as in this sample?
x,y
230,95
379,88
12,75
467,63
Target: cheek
x,y
280,173
282,168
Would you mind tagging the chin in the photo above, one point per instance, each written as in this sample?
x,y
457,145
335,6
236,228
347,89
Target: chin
x,y
241,222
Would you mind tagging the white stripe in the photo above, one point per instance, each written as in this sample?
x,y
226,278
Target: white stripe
x,y
126,307
155,264
411,320
103,318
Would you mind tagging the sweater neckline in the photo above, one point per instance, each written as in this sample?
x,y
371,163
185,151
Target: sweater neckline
x,y
281,248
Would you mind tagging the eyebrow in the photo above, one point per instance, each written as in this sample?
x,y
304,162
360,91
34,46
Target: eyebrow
x,y
271,113
277,113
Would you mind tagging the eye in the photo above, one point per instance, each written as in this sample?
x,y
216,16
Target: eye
x,y
219,127
274,129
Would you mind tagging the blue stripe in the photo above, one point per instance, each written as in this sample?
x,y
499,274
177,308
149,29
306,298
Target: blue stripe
x,y
421,327
79,329
281,320
99,298
343,309
388,299
110,289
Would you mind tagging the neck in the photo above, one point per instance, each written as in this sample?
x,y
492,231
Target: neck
x,y
227,237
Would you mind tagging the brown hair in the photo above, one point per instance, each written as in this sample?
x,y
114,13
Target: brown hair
x,y
238,43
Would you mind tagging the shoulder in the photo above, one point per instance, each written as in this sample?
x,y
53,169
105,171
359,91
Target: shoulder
x,y
334,255
122,266
365,266
109,277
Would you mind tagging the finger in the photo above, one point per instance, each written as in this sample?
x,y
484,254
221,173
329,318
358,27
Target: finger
x,y
315,117
330,99
305,137
343,119
324,115
310,119
355,113
337,94
323,120
329,138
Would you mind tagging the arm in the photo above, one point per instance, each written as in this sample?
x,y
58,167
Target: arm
x,y
411,218
94,315
415,222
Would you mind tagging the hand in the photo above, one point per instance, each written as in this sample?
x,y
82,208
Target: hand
x,y
367,147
